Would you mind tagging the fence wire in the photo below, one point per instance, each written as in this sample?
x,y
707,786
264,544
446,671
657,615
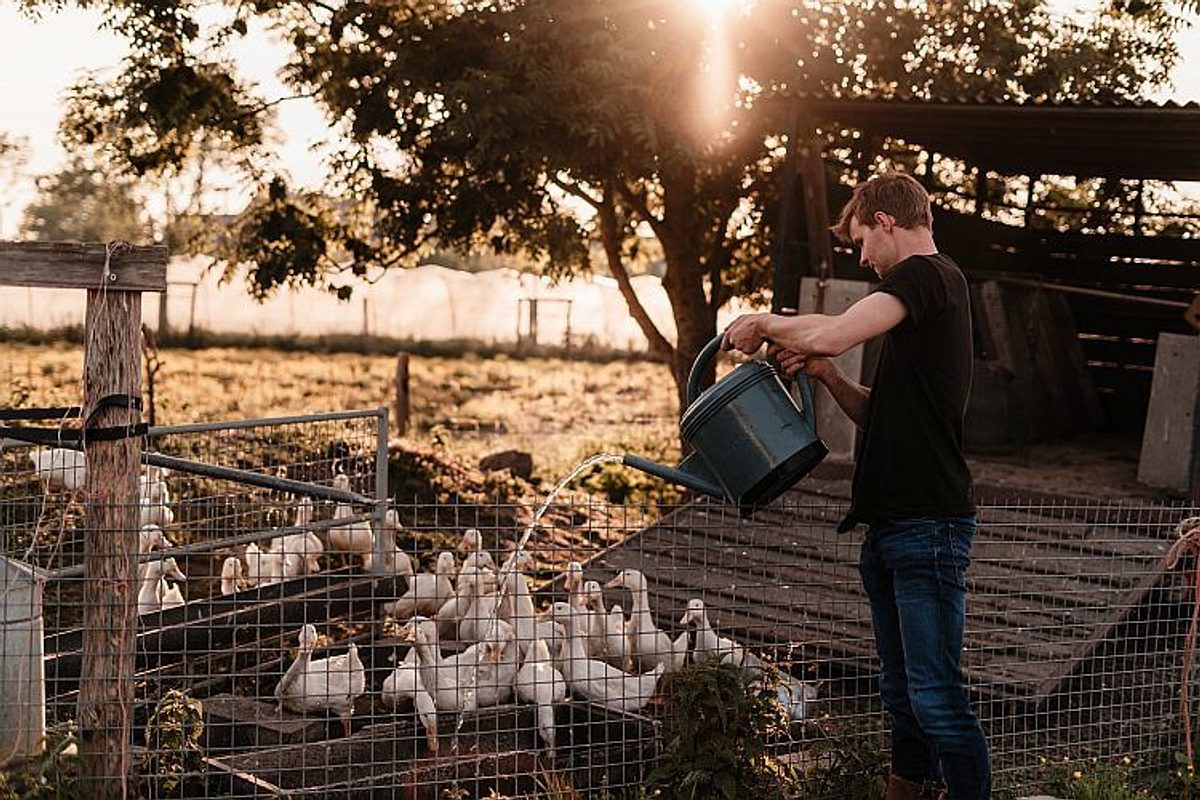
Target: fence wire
x,y
292,646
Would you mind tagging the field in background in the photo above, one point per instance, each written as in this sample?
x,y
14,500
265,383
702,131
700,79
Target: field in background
x,y
558,410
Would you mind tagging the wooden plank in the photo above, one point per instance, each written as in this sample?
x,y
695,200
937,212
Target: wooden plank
x,y
76,265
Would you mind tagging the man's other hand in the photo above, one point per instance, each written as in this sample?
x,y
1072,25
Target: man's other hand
x,y
791,362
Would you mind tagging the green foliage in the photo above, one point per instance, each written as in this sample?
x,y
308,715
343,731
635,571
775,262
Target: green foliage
x,y
54,775
718,724
843,760
174,734
84,203
1093,780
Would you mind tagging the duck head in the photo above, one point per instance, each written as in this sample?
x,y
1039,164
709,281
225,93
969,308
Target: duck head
x,y
695,614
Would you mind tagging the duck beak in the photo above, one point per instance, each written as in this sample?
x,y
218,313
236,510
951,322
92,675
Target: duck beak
x,y
686,619
615,583
408,633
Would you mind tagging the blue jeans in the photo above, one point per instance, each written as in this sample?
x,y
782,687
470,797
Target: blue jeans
x,y
914,572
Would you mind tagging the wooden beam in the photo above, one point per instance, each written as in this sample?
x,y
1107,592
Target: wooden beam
x,y
75,265
787,269
112,366
816,209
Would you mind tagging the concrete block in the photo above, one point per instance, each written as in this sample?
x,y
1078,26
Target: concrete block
x,y
834,427
1169,440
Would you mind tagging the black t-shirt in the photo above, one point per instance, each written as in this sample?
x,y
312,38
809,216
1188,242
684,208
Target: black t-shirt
x,y
910,463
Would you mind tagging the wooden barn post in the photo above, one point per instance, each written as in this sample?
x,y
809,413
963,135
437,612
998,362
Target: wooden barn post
x,y
114,277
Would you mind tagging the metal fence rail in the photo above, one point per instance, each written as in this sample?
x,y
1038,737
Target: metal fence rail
x,y
407,686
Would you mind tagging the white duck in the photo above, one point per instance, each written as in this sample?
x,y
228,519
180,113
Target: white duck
x,y
170,595
451,681
651,646
353,537
233,576
519,610
598,681
471,582
426,591
618,643
150,537
394,561
482,612
150,593
328,683
264,566
709,646
405,681
474,554
304,545
154,498
498,664
61,467
538,682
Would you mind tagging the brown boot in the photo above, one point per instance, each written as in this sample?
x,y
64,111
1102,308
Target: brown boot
x,y
900,789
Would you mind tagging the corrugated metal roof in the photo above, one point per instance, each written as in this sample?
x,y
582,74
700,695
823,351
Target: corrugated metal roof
x,y
1092,139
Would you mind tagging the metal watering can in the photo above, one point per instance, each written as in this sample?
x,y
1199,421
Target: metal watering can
x,y
750,442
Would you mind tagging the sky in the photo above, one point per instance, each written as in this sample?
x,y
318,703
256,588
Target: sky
x,y
40,60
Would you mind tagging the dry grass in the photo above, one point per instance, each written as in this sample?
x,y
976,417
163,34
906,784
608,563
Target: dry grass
x,y
561,411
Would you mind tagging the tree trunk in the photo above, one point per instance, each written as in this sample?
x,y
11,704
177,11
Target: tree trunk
x,y
695,320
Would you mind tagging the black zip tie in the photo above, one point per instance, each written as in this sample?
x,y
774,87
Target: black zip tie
x,y
52,436
62,412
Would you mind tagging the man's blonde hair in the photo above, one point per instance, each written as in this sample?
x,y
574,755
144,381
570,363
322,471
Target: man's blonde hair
x,y
893,193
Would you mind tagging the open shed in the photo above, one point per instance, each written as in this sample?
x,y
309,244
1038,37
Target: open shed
x,y
1126,270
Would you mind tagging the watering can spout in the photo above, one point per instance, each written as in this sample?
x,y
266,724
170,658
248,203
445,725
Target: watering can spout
x,y
691,473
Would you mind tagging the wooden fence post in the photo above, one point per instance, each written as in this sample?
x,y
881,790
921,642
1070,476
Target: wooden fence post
x,y
112,366
403,408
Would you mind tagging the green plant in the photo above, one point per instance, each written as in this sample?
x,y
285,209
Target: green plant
x,y
53,775
843,760
174,734
1094,780
719,722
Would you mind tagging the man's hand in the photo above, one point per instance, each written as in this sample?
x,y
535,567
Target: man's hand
x,y
791,362
745,334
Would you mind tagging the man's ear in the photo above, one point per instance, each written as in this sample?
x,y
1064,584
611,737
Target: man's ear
x,y
885,221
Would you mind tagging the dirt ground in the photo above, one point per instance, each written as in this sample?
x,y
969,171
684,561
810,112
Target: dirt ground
x,y
560,411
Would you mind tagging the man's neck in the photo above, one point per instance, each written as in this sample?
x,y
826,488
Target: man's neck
x,y
914,242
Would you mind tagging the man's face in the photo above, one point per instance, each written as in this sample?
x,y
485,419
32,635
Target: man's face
x,y
876,243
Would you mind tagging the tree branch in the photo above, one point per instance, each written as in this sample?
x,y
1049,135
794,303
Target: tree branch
x,y
611,238
575,189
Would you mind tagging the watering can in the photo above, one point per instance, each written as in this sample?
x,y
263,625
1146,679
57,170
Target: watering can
x,y
750,442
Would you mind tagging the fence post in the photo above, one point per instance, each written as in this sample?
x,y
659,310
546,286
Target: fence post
x,y
22,679
111,366
403,407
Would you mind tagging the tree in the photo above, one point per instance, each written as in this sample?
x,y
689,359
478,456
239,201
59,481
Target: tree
x,y
478,123
81,203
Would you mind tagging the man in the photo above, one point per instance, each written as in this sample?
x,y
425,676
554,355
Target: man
x,y
912,487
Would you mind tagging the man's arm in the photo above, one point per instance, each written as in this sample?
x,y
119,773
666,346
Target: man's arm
x,y
818,334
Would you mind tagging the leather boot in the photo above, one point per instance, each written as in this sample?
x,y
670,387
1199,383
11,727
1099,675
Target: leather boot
x,y
900,789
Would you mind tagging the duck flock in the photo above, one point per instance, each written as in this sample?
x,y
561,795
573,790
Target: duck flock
x,y
502,649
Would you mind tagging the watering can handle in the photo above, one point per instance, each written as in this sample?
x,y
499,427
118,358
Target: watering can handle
x,y
709,351
703,359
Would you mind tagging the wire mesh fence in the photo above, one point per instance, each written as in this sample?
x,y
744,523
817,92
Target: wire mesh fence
x,y
313,634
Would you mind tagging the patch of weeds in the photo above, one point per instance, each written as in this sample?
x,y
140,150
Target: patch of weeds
x,y
53,775
843,760
174,734
1094,780
719,721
